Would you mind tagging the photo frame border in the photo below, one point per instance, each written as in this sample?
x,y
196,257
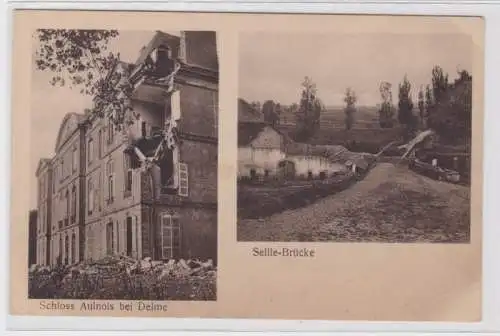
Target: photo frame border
x,y
491,268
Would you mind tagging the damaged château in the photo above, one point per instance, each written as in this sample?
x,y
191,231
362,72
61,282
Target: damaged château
x,y
151,189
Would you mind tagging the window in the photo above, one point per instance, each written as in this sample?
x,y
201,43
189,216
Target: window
x,y
129,236
60,250
91,150
253,174
66,250
137,237
117,233
170,237
61,168
128,174
183,179
167,165
73,248
73,204
75,159
111,182
164,53
111,131
42,215
98,192
90,196
39,222
90,242
109,238
164,62
99,143
66,215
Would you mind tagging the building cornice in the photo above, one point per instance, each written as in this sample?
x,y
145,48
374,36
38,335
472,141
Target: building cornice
x,y
198,138
180,203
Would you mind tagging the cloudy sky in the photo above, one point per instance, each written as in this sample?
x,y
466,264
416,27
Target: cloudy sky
x,y
50,104
272,65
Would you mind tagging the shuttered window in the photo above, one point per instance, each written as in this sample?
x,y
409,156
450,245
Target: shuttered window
x,y
170,237
183,180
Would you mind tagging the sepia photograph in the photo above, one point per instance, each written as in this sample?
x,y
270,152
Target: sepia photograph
x,y
362,137
190,165
124,162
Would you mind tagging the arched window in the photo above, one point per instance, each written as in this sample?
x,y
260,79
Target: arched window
x,y
73,248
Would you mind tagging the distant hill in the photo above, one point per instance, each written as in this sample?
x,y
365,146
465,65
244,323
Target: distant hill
x,y
334,117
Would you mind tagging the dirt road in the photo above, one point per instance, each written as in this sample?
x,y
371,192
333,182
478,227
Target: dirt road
x,y
391,204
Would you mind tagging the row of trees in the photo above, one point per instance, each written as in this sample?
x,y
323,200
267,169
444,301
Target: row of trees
x,y
79,58
441,106
307,112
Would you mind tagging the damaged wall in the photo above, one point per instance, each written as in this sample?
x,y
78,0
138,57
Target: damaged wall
x,y
199,111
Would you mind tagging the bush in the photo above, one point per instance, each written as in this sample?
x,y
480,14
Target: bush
x,y
263,201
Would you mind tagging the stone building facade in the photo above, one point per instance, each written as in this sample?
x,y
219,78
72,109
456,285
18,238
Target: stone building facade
x,y
102,204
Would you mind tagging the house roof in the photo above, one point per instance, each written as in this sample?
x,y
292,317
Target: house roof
x,y
41,163
160,38
248,131
69,124
246,113
333,153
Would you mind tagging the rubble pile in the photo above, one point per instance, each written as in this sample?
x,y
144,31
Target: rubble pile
x,y
171,269
121,277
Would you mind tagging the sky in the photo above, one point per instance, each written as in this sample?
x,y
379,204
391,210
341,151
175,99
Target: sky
x,y
273,65
50,104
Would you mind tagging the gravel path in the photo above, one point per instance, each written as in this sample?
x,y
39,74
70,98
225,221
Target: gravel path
x,y
391,204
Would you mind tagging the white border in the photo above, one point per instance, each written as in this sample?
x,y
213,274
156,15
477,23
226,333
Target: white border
x,y
491,270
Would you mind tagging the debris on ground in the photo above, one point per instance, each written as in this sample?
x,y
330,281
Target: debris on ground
x,y
125,277
391,204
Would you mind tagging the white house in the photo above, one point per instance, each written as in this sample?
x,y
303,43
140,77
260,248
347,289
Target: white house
x,y
307,165
260,149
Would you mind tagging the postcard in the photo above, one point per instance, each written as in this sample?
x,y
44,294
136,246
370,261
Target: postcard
x,y
276,166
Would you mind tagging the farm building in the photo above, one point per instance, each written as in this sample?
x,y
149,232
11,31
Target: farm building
x,y
308,165
260,149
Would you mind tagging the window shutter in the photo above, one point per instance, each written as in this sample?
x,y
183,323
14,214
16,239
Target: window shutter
x,y
182,47
175,104
166,234
183,180
176,236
